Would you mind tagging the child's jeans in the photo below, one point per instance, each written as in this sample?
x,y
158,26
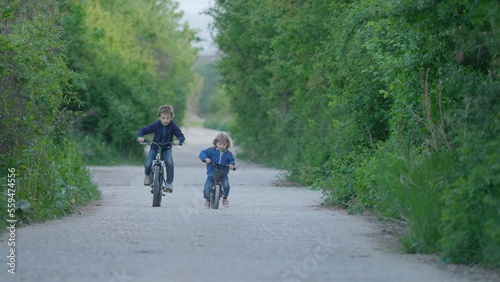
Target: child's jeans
x,y
208,184
167,158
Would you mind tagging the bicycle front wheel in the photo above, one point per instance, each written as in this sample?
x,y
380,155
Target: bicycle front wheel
x,y
214,201
157,193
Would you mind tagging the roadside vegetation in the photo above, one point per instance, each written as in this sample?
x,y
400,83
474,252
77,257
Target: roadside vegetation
x,y
387,106
78,79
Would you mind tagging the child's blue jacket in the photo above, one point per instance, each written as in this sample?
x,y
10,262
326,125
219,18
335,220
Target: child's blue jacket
x,y
217,157
163,134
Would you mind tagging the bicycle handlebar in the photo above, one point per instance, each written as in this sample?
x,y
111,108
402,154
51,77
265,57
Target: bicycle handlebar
x,y
218,165
149,142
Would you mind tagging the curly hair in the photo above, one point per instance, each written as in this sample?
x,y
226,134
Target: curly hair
x,y
222,137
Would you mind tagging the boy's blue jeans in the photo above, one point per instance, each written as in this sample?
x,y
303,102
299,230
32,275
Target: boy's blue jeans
x,y
208,184
167,158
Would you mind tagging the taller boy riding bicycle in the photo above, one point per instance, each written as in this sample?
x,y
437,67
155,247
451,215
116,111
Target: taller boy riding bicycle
x,y
164,130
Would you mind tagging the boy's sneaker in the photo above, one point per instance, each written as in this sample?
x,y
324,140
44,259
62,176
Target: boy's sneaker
x,y
169,188
147,180
225,203
207,204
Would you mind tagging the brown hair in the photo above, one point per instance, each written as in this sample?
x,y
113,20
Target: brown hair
x,y
222,137
166,109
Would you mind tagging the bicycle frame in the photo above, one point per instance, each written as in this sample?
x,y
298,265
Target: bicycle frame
x,y
163,171
216,188
216,192
159,171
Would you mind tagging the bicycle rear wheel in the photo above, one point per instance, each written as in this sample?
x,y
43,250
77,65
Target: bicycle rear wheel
x,y
214,201
157,193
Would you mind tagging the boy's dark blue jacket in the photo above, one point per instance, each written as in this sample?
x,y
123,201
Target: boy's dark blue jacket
x,y
163,134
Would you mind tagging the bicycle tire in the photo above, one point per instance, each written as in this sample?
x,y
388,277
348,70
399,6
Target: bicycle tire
x,y
214,202
157,193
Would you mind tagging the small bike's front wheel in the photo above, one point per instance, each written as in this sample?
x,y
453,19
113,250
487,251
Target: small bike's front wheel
x,y
157,193
214,201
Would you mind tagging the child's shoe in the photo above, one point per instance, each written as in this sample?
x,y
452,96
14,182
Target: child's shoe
x,y
147,180
207,204
169,188
225,203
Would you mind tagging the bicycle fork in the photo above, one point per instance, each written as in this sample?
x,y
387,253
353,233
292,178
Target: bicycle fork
x,y
217,185
163,173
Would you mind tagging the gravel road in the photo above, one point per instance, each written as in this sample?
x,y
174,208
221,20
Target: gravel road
x,y
270,232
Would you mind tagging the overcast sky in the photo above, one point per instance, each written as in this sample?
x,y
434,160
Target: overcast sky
x,y
192,14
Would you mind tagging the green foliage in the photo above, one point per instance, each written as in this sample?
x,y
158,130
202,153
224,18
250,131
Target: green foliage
x,y
387,105
51,181
97,152
208,71
220,116
50,178
34,78
131,58
210,101
470,220
407,187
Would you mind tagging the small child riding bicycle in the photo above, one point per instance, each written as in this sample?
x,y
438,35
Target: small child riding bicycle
x,y
218,154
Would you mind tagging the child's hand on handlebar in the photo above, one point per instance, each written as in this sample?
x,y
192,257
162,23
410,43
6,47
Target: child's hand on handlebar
x,y
231,167
176,143
207,160
140,139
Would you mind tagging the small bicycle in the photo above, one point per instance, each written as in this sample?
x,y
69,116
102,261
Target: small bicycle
x,y
216,189
159,170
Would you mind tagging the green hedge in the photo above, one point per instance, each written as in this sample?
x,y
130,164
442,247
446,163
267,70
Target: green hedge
x,y
50,178
385,105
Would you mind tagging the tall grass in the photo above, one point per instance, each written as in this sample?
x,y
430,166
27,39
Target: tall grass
x,y
450,202
470,220
51,180
96,151
422,183
408,188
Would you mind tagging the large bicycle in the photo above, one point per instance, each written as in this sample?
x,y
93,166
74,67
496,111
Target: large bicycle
x,y
216,188
159,171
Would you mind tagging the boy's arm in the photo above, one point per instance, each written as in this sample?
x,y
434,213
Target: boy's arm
x,y
231,159
150,128
178,133
204,154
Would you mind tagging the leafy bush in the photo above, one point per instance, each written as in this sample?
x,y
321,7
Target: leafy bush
x,y
51,180
126,73
50,176
388,105
408,188
470,220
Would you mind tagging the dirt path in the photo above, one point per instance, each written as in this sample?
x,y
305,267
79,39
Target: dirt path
x,y
269,233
